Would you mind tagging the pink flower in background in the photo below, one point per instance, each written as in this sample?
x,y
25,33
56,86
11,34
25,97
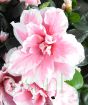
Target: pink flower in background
x,y
7,84
2,1
35,95
3,36
69,96
47,48
32,2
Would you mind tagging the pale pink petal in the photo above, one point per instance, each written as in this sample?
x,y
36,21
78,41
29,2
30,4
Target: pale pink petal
x,y
23,97
55,21
66,49
68,96
21,62
9,85
45,68
65,69
7,55
52,87
32,15
20,31
33,2
28,78
7,99
35,29
31,41
42,73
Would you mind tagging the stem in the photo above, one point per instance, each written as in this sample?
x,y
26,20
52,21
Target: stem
x,y
61,83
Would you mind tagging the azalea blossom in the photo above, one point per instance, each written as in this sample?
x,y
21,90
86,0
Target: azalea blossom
x,y
34,95
7,84
32,2
46,46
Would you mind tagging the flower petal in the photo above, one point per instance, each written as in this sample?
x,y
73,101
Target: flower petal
x,y
33,28
55,21
65,69
7,99
23,98
19,31
20,63
31,41
32,15
68,96
68,50
45,69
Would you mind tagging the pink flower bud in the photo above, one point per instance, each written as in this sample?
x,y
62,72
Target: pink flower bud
x,y
67,5
3,36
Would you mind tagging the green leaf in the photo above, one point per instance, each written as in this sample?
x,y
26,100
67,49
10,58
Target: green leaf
x,y
77,81
83,95
85,43
79,34
74,18
46,4
52,4
83,24
2,7
74,3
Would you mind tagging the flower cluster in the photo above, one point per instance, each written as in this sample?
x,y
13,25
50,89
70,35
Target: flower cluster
x,y
31,74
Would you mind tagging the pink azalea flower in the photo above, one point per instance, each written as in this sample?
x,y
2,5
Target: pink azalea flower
x,y
46,47
35,95
32,2
7,85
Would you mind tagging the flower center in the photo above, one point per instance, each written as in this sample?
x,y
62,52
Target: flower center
x,y
45,48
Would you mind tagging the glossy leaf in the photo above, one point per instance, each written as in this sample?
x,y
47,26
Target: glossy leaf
x,y
85,62
83,95
79,34
74,18
74,3
46,4
77,81
83,24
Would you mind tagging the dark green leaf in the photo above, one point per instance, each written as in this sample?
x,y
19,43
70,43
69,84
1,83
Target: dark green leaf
x,y
52,4
74,3
74,18
83,24
79,34
83,95
85,62
85,42
46,4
